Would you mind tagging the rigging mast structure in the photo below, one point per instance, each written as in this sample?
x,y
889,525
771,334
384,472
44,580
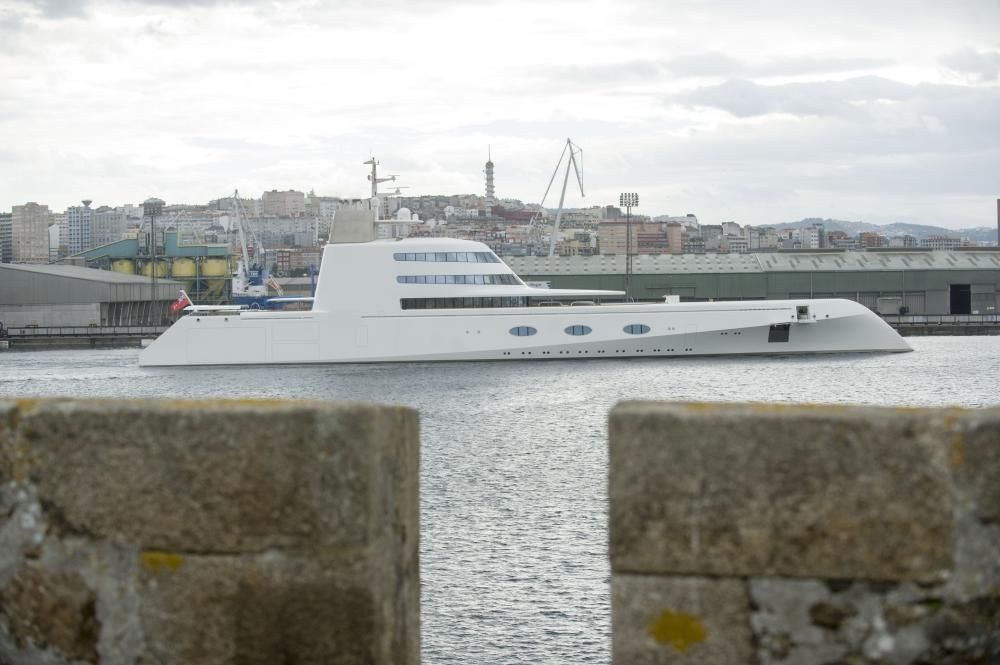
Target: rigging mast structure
x,y
573,151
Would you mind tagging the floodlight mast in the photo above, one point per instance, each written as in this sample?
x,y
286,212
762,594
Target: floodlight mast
x,y
628,200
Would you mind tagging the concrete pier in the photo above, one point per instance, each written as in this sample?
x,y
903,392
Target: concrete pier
x,y
220,532
804,534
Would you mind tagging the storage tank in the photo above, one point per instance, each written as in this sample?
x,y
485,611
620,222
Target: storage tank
x,y
183,268
215,276
161,269
185,271
123,266
215,268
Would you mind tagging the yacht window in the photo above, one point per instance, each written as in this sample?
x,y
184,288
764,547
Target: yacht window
x,y
578,330
462,303
636,329
451,257
523,331
502,279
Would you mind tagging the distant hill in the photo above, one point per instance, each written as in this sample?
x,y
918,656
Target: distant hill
x,y
976,234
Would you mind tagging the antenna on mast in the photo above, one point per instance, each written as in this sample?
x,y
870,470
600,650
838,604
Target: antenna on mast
x,y
375,180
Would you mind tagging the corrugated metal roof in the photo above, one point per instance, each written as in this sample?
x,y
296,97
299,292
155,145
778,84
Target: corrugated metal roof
x,y
78,272
757,263
63,284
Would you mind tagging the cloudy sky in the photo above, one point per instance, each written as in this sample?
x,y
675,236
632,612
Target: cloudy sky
x,y
759,112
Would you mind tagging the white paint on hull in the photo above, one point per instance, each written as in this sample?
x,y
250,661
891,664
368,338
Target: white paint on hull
x,y
352,324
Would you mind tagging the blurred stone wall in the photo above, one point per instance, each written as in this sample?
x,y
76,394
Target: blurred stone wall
x,y
792,535
208,532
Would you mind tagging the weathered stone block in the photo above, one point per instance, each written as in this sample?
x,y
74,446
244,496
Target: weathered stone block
x,y
50,610
248,610
185,476
823,491
210,533
675,620
975,455
8,412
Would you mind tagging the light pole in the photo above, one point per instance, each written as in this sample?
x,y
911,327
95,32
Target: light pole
x,y
154,208
628,200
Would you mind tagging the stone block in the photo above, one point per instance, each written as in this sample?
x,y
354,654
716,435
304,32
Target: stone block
x,y
807,491
657,620
216,477
8,414
975,455
52,610
210,533
200,610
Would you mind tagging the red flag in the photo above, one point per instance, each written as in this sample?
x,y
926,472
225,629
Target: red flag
x,y
181,302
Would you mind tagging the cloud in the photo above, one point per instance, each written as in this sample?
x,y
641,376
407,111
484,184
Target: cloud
x,y
716,64
746,99
725,109
654,72
60,8
984,65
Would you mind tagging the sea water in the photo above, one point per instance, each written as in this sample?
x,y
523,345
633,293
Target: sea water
x,y
514,460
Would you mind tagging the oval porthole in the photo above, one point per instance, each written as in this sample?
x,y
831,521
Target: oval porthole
x,y
636,329
578,330
522,331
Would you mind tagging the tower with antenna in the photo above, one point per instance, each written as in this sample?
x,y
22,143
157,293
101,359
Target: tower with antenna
x,y
490,192
374,179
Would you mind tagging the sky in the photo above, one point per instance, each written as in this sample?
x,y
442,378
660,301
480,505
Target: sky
x,y
758,112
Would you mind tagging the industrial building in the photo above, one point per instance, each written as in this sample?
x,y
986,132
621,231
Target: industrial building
x,y
203,270
46,296
912,281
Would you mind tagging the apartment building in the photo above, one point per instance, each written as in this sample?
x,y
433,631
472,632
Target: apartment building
x,y
29,233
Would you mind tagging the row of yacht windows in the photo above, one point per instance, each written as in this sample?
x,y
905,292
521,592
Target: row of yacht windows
x,y
631,329
448,257
457,279
462,303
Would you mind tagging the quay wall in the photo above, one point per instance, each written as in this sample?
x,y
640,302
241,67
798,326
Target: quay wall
x,y
792,535
218,532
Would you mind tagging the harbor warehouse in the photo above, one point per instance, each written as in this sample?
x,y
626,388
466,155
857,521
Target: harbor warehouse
x,y
65,296
965,281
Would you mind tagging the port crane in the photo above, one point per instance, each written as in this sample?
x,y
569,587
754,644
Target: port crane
x,y
249,281
534,226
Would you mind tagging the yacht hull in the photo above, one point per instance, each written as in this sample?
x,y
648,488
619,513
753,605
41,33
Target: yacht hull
x,y
665,330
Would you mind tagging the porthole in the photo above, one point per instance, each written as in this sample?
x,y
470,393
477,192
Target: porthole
x,y
636,329
522,331
578,330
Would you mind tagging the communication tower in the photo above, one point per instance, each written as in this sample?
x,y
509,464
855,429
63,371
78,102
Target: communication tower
x,y
490,191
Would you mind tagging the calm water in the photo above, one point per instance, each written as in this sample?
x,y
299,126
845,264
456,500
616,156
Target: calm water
x,y
513,553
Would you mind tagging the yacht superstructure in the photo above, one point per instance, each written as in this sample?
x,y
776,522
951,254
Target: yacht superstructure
x,y
440,299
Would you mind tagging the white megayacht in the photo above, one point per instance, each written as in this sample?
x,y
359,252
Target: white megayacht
x,y
439,299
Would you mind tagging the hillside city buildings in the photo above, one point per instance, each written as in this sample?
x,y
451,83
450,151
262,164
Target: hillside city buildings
x,y
292,225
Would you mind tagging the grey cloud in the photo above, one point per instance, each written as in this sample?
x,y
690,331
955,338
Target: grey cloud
x,y
698,65
745,98
985,65
719,64
707,64
61,8
607,73
798,66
